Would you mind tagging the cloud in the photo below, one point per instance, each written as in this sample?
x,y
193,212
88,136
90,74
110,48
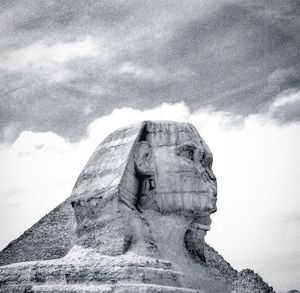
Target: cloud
x,y
40,54
285,106
137,71
49,60
290,99
256,161
65,57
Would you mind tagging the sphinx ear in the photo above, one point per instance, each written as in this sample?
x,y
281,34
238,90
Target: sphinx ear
x,y
143,159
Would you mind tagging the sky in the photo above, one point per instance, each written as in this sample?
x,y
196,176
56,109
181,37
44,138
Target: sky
x,y
71,72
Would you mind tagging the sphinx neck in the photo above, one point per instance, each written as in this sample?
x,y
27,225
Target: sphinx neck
x,y
168,232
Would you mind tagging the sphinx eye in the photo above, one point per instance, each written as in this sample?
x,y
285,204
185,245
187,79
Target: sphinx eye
x,y
186,151
189,154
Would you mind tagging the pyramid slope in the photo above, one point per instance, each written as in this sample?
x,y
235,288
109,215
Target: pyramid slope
x,y
51,237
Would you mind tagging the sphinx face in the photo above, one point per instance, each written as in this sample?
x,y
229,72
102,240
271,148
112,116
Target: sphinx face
x,y
185,182
184,179
175,166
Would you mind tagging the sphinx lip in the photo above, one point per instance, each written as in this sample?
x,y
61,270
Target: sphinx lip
x,y
202,226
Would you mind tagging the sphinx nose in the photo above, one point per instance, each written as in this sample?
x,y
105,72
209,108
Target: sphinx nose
x,y
212,190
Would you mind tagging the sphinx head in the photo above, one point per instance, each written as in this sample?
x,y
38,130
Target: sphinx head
x,y
158,166
174,165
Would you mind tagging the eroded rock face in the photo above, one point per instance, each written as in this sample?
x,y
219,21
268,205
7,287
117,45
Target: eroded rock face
x,y
174,166
154,170
137,217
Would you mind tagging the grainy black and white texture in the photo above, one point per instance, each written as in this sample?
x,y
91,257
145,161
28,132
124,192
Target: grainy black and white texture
x,y
73,62
136,221
71,72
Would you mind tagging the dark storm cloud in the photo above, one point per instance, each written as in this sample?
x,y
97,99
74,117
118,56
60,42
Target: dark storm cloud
x,y
233,50
235,56
288,112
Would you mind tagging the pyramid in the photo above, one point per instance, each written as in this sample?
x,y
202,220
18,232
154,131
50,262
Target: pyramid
x,y
136,221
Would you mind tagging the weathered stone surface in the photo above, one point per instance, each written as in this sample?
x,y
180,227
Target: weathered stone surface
x,y
247,281
135,222
51,237
55,233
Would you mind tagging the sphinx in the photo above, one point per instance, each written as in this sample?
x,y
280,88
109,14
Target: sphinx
x,y
164,178
136,221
